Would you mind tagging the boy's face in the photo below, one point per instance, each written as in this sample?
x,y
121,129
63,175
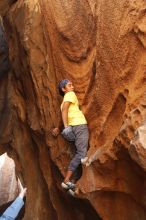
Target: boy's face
x,y
68,87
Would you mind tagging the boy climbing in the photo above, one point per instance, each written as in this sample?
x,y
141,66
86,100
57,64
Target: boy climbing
x,y
75,129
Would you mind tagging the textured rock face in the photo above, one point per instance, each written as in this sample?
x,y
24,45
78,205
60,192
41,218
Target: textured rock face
x,y
101,47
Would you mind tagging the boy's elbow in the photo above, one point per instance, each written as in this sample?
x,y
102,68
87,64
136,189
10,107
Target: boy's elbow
x,y
66,106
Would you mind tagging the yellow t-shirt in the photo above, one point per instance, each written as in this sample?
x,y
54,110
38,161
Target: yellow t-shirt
x,y
75,115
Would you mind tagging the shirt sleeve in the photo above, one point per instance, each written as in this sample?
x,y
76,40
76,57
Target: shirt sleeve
x,y
70,97
13,210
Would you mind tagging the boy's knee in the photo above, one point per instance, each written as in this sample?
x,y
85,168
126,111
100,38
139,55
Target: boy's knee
x,y
82,153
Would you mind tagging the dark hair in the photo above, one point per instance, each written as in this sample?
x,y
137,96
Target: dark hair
x,y
61,85
61,92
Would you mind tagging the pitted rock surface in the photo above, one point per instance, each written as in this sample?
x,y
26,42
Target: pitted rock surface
x,y
101,47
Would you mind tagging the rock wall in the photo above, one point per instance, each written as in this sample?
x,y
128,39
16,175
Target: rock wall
x,y
101,47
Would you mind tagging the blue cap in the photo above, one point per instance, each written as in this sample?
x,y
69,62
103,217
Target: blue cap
x,y
63,83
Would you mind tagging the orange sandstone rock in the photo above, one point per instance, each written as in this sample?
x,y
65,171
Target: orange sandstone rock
x,y
100,46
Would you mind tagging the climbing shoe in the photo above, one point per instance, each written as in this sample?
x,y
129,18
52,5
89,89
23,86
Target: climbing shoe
x,y
71,192
68,185
84,160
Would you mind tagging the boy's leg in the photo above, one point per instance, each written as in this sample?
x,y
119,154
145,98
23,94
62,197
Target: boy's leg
x,y
73,176
69,173
77,174
81,142
68,176
13,210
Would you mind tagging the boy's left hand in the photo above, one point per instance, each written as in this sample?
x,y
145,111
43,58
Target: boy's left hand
x,y
55,132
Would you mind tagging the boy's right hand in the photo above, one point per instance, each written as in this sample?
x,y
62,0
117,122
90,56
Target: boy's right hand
x,y
55,132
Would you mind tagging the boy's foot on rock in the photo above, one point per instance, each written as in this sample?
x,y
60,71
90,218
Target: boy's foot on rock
x,y
71,192
68,185
84,160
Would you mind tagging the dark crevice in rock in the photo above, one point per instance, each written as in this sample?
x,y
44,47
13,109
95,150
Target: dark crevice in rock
x,y
4,54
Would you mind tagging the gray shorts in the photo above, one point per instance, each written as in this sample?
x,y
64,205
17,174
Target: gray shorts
x,y
81,142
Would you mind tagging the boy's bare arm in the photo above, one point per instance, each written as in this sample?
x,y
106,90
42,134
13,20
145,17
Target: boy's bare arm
x,y
60,124
58,128
62,121
65,113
